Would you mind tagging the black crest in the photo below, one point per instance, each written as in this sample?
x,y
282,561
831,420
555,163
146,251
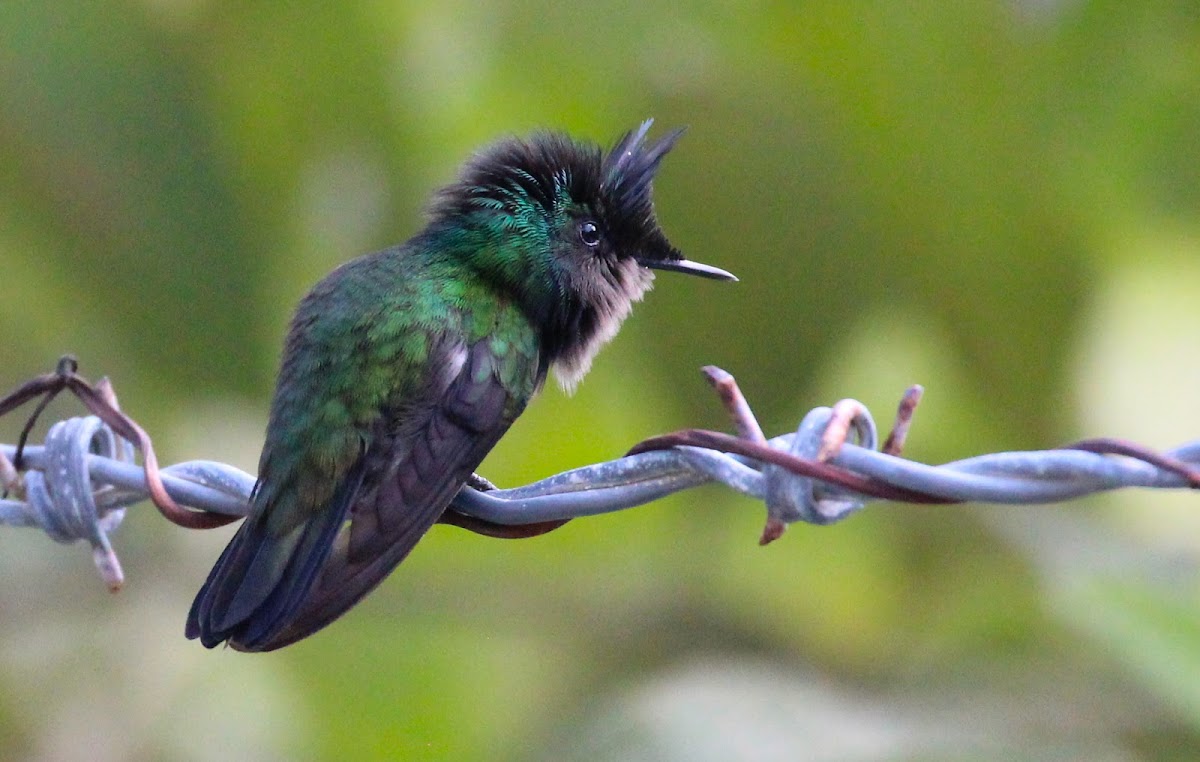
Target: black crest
x,y
616,185
628,175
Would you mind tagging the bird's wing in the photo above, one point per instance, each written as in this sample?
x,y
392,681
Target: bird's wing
x,y
420,474
271,589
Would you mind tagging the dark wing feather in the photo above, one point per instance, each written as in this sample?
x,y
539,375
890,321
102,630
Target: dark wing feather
x,y
261,577
410,473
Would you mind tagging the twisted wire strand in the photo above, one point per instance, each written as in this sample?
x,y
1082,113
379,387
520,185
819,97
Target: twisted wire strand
x,y
62,499
77,485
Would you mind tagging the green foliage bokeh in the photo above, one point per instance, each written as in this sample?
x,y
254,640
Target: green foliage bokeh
x,y
997,200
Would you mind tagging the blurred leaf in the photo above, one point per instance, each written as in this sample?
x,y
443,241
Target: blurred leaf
x,y
955,194
107,152
1153,632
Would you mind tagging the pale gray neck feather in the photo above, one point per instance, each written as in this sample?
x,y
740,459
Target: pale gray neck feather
x,y
613,296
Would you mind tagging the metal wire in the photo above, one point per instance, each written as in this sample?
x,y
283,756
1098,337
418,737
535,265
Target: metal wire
x,y
77,485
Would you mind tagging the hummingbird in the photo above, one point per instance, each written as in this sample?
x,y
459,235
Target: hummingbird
x,y
403,368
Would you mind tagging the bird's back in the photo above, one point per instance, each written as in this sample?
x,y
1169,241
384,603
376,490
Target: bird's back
x,y
399,375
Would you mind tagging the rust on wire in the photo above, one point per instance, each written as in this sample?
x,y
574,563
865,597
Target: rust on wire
x,y
845,419
845,413
452,517
894,444
735,403
748,430
499,531
10,479
1115,446
751,443
100,401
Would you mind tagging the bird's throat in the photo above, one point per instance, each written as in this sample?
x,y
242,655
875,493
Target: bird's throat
x,y
604,304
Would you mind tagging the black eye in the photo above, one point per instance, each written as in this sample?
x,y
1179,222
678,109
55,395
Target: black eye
x,y
589,233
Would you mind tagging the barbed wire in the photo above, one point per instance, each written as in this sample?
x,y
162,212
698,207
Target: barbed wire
x,y
77,485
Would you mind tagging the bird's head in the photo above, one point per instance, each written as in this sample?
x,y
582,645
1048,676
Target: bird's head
x,y
569,230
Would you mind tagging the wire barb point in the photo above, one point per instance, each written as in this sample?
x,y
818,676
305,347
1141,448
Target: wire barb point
x,y
77,485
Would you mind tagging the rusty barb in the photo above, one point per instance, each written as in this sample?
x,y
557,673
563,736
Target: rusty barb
x,y
101,401
77,485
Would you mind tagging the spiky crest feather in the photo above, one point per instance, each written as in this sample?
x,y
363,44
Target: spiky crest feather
x,y
535,187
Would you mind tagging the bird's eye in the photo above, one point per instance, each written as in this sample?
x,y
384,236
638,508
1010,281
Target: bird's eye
x,y
589,233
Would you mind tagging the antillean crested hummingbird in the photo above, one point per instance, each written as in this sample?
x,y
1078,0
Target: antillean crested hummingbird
x,y
403,368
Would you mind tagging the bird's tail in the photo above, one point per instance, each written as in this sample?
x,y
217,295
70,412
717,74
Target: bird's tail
x,y
263,577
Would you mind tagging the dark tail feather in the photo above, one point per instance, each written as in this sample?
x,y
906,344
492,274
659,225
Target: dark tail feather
x,y
256,581
267,592
344,580
261,579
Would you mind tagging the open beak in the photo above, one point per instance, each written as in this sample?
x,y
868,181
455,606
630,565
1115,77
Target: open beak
x,y
689,267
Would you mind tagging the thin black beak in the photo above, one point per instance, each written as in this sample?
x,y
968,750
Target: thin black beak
x,y
688,267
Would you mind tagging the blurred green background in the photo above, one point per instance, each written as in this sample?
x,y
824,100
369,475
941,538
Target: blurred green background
x,y
995,199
